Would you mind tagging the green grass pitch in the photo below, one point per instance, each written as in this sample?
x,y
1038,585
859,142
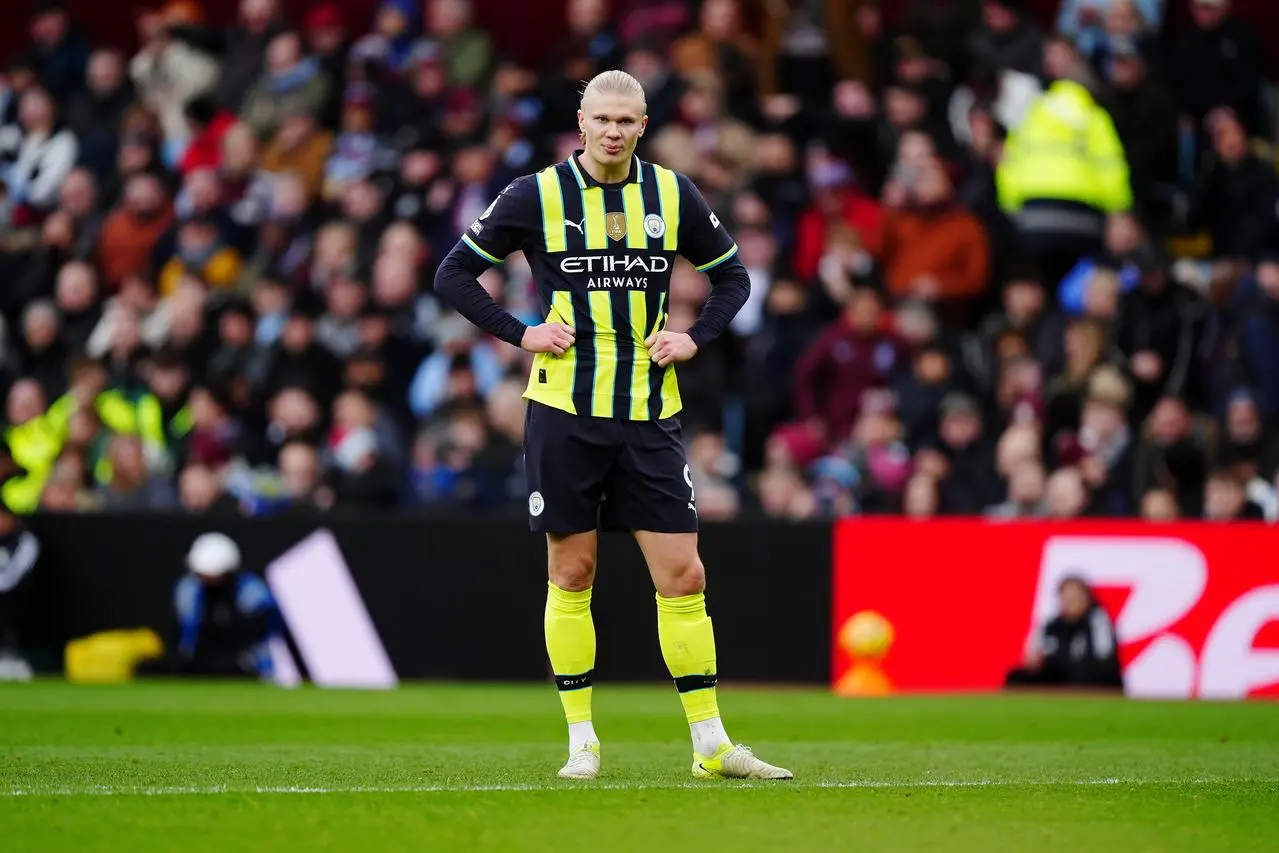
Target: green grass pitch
x,y
215,767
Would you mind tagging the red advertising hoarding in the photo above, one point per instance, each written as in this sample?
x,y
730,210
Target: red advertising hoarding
x,y
1196,606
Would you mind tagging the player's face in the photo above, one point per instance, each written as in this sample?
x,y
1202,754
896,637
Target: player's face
x,y
613,125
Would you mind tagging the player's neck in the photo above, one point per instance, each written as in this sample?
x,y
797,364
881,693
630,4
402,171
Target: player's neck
x,y
604,174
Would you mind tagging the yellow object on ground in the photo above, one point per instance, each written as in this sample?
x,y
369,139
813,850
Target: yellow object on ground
x,y
110,657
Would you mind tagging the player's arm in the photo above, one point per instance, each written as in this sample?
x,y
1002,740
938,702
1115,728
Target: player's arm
x,y
500,230
706,244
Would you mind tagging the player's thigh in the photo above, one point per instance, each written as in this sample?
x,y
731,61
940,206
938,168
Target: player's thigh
x,y
651,488
567,459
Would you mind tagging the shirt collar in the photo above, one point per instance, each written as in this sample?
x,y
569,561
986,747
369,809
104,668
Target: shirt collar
x,y
585,180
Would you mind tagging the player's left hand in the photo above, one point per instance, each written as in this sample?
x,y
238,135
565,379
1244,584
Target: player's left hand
x,y
668,347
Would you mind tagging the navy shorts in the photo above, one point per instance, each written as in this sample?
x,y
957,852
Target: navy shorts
x,y
587,473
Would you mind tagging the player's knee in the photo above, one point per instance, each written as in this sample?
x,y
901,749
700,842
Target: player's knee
x,y
687,578
573,572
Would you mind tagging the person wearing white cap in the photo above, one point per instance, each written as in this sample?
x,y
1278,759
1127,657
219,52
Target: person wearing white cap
x,y
226,614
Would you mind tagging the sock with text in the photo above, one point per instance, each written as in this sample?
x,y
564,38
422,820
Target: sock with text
x,y
570,644
688,645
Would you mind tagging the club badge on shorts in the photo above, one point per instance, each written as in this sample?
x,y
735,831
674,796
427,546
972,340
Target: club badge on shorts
x,y
654,225
535,504
615,225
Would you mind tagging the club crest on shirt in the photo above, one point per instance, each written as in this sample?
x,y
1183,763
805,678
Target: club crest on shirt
x,y
654,225
615,225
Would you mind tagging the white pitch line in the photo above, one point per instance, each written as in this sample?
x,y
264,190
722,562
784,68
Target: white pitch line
x,y
213,790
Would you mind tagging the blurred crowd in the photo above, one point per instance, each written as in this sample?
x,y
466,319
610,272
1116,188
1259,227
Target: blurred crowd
x,y
997,269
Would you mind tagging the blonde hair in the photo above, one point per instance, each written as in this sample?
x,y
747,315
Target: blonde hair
x,y
1108,385
615,82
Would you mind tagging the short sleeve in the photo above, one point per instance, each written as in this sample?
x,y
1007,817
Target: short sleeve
x,y
504,226
703,239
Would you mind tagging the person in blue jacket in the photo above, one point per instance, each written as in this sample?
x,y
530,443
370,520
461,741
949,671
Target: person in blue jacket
x,y
226,614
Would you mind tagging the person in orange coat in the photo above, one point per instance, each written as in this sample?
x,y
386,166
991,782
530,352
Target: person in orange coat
x,y
933,248
301,148
133,229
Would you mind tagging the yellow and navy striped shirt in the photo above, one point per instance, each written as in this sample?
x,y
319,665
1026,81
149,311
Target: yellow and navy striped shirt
x,y
602,256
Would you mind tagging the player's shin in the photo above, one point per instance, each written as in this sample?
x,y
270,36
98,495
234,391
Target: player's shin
x,y
570,644
688,645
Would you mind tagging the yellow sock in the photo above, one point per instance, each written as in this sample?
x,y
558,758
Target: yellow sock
x,y
688,645
570,644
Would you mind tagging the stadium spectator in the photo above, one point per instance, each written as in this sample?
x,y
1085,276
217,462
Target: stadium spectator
x,y
131,487
96,113
1234,200
1145,117
207,434
297,360
132,231
76,293
35,260
1104,448
1245,443
933,248
208,128
1171,456
362,476
241,48
879,456
920,392
1066,495
299,469
200,492
1226,498
169,74
1091,24
78,202
1006,38
1063,172
1026,488
201,254
591,46
1159,505
396,26
922,497
467,50
961,459
291,85
852,356
1076,648
19,553
300,149
292,415
1217,63
65,491
42,353
1259,335
36,154
58,51
325,31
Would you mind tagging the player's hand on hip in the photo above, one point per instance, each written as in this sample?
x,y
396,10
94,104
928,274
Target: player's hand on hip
x,y
555,338
669,347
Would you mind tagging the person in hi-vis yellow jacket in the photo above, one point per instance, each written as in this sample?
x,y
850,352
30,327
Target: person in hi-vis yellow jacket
x,y
1063,172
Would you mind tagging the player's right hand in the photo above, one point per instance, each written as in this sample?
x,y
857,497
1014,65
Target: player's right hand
x,y
554,338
